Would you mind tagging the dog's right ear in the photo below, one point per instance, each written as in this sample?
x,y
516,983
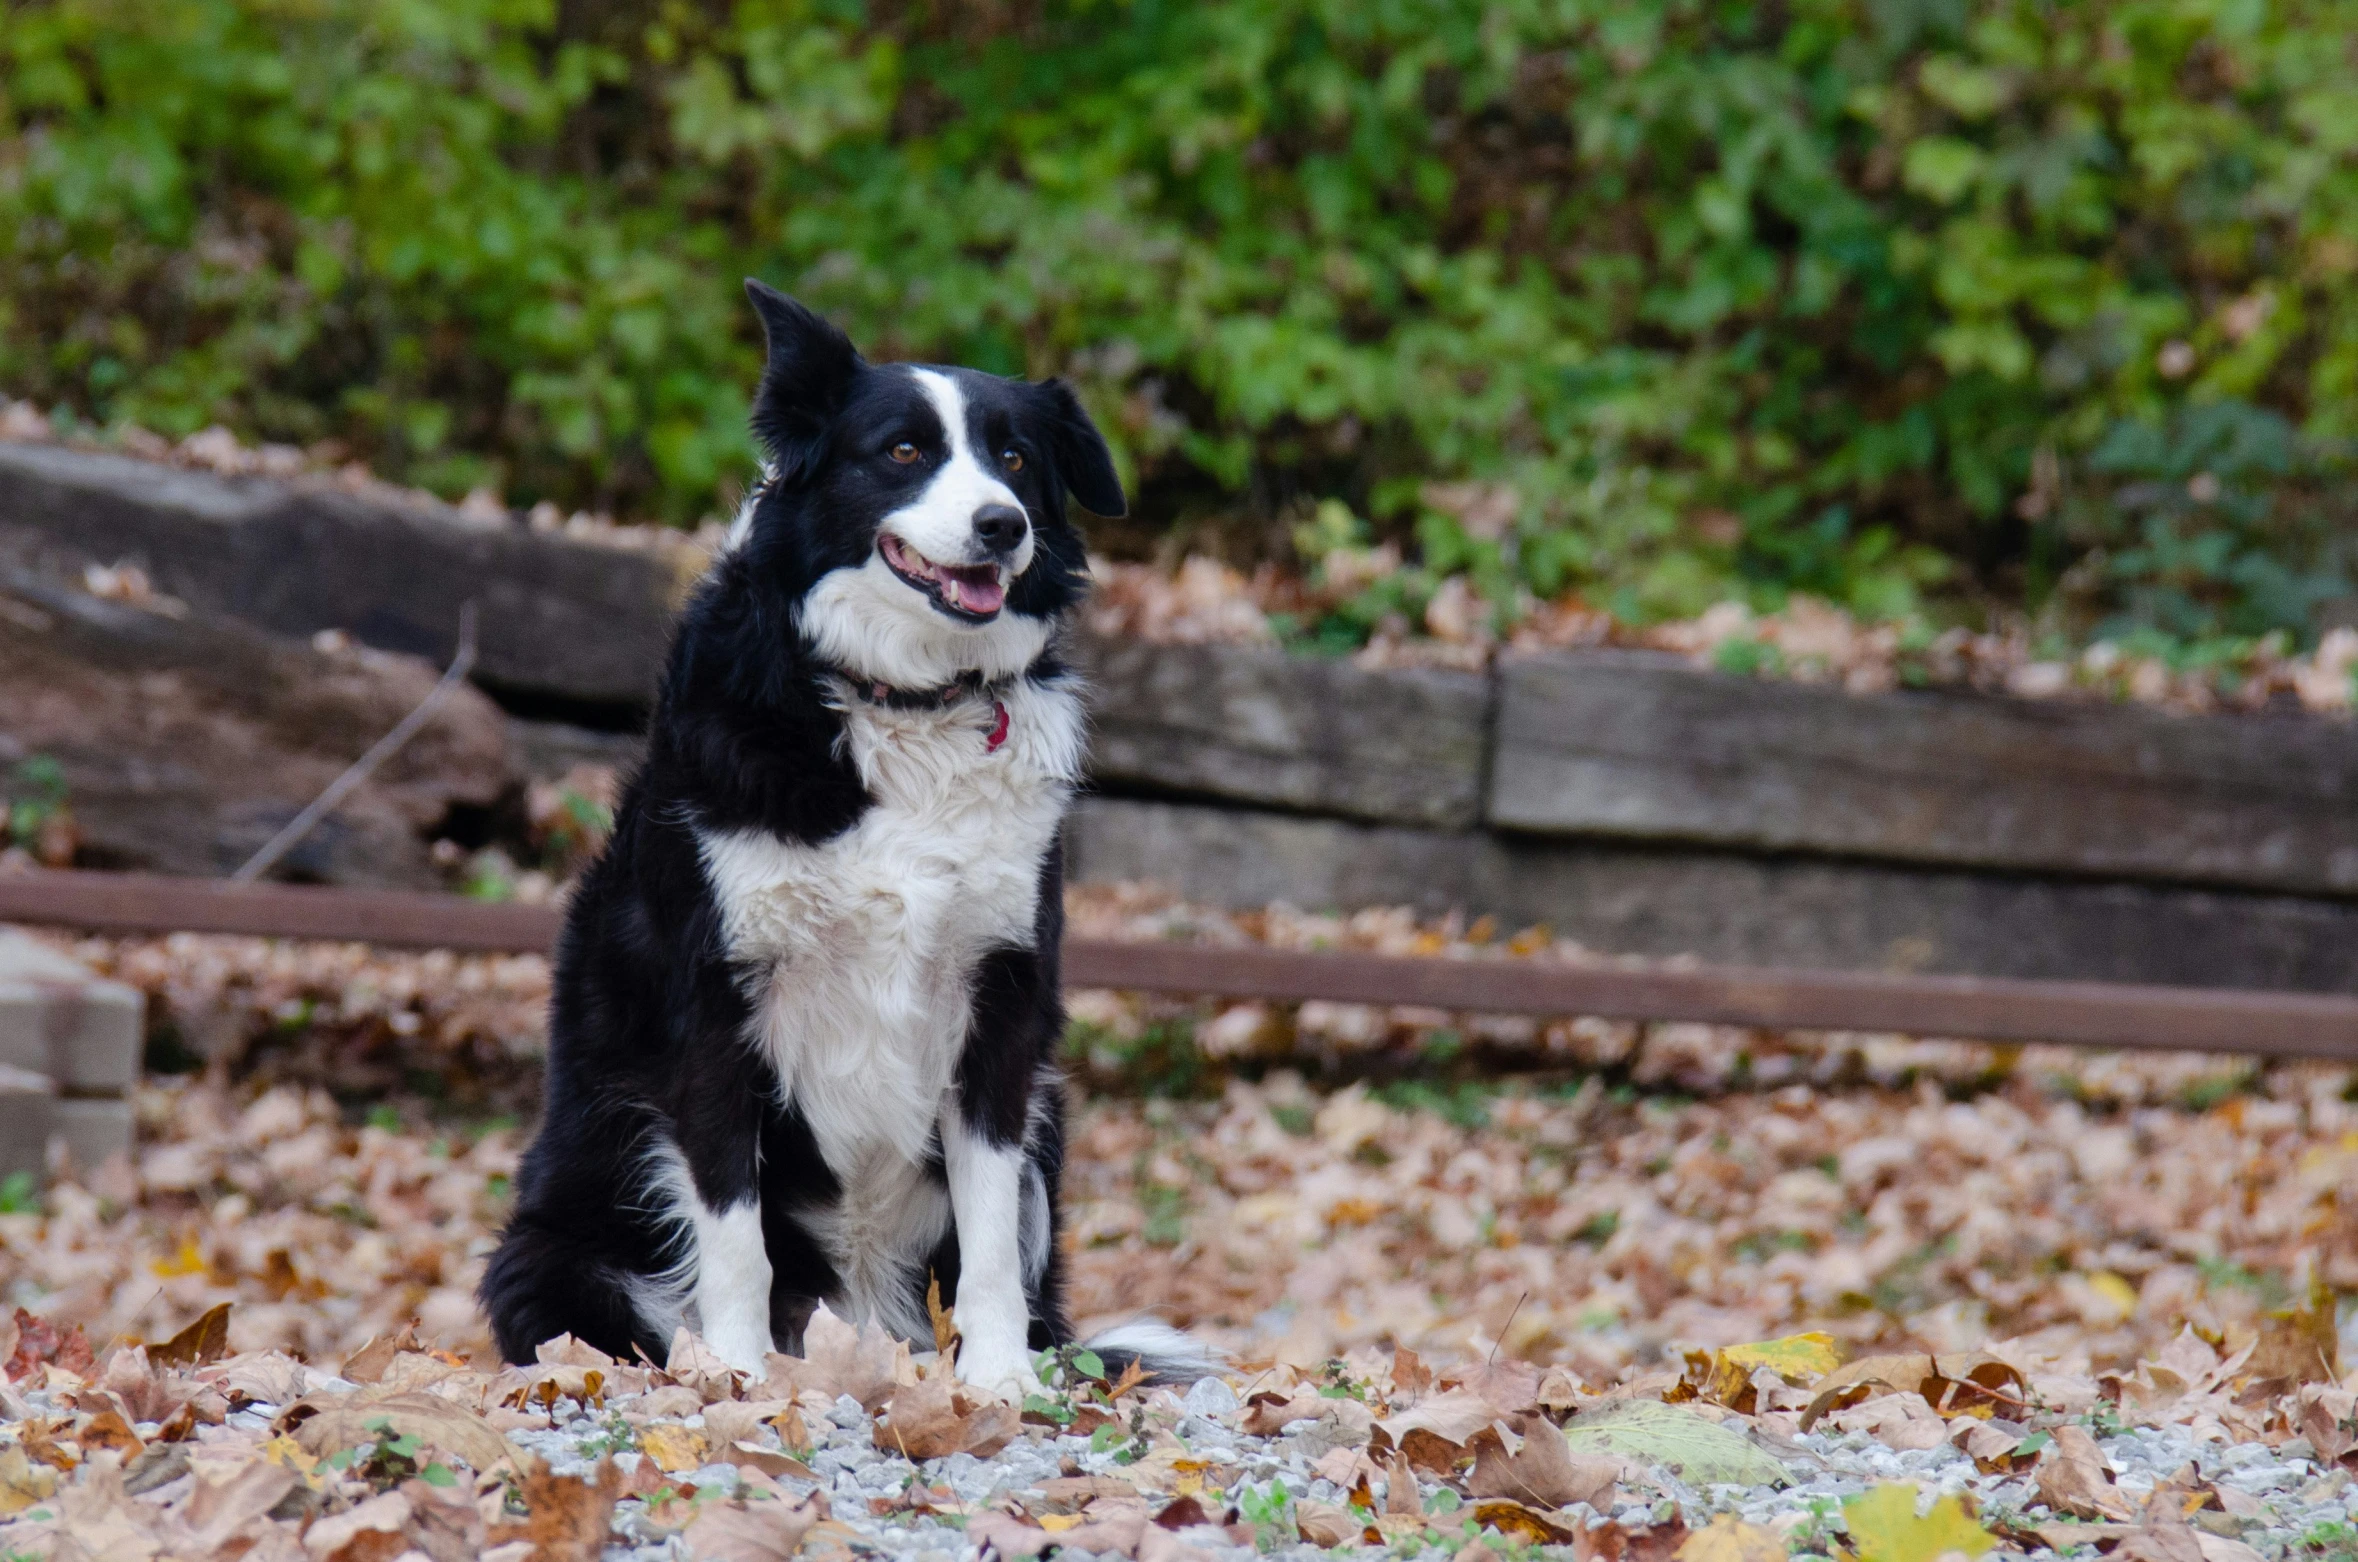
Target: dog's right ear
x,y
803,385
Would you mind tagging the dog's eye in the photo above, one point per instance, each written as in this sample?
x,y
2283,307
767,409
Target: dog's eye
x,y
1011,459
904,452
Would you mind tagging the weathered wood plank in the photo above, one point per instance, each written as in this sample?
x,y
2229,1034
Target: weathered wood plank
x,y
184,743
558,619
1731,908
1255,725
2087,1013
1636,747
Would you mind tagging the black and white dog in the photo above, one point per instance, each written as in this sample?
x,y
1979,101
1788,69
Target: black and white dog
x,y
802,1041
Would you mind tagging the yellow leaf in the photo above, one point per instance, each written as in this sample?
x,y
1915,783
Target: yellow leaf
x,y
22,1482
1730,1539
1058,1523
2114,1290
945,1323
674,1448
188,1261
1794,1357
283,1449
1884,1527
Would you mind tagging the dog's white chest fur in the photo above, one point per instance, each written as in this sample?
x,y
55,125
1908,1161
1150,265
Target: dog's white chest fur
x,y
868,942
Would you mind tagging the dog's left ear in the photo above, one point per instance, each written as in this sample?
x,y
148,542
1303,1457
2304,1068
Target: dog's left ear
x,y
803,385
1081,457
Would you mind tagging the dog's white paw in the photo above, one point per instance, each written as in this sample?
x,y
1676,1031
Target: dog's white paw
x,y
1005,1373
745,1350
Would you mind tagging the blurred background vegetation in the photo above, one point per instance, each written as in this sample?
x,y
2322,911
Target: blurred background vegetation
x,y
1943,307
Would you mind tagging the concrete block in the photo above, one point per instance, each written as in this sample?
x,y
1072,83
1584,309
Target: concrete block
x,y
93,1128
89,1128
57,1020
26,1115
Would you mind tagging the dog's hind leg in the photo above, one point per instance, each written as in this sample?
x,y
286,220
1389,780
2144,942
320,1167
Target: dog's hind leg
x,y
543,1283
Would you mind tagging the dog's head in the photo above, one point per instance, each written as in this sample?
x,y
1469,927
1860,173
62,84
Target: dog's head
x,y
918,512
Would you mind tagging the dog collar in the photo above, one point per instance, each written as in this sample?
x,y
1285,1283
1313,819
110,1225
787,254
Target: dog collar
x,y
967,685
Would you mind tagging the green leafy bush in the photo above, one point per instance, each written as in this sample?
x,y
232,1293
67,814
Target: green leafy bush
x,y
1868,298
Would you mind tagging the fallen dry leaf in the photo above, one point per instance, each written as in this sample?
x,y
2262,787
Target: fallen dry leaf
x,y
1437,1433
674,1448
2298,1344
1005,1535
1267,1414
2073,1478
367,1364
1509,1387
1885,1527
1071,1493
730,1421
221,1506
1615,1542
1974,1383
938,1416
1522,1521
1400,1490
22,1482
2328,1418
201,1343
370,1531
445,1523
40,1343
1727,1376
333,1423
566,1517
866,1363
1698,1451
1865,1378
266,1377
737,1531
110,1432
2161,1543
696,1365
1729,1539
1324,1524
1993,1451
1542,1471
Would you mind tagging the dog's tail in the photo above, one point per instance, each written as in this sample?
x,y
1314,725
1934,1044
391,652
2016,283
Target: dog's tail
x,y
1164,1354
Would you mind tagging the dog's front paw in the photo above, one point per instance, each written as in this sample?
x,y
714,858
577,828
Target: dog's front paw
x,y
744,1349
1006,1373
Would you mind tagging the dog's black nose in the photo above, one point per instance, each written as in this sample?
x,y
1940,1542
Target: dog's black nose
x,y
1000,527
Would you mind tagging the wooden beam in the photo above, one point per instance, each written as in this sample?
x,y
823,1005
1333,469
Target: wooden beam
x,y
2095,1014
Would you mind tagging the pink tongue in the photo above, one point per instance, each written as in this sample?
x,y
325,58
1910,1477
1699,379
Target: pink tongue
x,y
980,594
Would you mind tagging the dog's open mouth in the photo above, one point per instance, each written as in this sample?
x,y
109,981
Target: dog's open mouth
x,y
974,592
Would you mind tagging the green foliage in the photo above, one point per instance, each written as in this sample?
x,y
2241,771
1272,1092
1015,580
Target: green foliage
x,y
20,1194
1867,298
1162,1060
1463,1103
1269,1510
2327,1538
613,1436
391,1459
35,797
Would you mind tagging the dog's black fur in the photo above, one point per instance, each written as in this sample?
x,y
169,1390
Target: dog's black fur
x,y
651,1016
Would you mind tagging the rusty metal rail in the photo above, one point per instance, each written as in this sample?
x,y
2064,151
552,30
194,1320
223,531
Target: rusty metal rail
x,y
2097,1014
